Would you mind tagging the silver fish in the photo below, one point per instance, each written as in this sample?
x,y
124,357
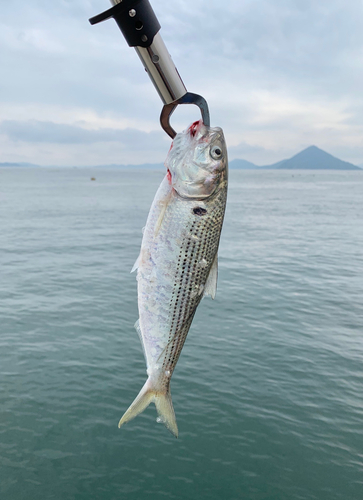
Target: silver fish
x,y
178,262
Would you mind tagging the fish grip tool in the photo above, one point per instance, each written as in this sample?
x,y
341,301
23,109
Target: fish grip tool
x,y
140,27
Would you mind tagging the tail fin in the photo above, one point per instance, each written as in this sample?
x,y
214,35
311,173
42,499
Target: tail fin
x,y
163,403
164,407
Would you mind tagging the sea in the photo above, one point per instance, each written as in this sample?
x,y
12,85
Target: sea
x,y
268,391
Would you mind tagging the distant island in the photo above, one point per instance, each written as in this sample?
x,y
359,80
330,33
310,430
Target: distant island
x,y
311,158
21,164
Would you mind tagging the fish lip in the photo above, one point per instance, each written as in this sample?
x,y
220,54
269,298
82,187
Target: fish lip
x,y
195,128
215,134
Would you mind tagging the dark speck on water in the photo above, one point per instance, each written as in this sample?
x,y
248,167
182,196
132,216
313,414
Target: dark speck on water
x,y
268,389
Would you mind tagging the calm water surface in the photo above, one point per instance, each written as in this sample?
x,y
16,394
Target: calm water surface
x,y
268,391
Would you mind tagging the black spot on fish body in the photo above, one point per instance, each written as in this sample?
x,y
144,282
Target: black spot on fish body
x,y
199,211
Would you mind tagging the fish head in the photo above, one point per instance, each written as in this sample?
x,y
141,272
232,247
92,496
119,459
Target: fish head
x,y
197,161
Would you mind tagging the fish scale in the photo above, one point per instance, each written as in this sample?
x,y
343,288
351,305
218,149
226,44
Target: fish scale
x,y
177,265
208,231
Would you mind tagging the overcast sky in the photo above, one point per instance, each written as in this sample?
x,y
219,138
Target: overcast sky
x,y
278,75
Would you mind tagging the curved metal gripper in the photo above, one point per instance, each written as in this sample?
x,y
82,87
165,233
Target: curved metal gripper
x,y
188,98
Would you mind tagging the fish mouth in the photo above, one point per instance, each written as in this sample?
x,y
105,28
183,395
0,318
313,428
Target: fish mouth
x,y
199,131
195,127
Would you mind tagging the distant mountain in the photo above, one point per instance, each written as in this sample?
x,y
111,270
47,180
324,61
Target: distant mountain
x,y
274,165
21,164
150,166
315,159
312,158
247,165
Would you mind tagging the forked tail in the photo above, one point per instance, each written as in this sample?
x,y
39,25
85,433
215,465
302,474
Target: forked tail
x,y
163,403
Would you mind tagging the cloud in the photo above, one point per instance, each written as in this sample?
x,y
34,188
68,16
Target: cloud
x,y
34,131
278,75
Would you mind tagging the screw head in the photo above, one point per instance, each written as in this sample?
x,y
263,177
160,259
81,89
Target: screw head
x,y
132,13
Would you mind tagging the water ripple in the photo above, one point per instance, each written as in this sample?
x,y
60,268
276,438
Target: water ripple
x,y
267,391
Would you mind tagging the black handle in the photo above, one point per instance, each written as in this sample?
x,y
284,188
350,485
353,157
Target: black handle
x,y
135,18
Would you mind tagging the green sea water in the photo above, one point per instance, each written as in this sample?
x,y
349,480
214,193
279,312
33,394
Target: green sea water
x,y
268,391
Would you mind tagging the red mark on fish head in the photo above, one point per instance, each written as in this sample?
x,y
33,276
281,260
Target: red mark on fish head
x,y
168,176
194,128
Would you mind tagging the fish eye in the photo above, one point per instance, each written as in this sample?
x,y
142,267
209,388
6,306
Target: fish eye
x,y
216,152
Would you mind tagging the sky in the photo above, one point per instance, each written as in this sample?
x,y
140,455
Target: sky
x,y
278,75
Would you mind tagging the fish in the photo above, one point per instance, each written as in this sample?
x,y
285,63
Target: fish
x,y
178,261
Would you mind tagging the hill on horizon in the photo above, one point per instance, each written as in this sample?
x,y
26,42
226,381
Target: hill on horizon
x,y
242,164
19,164
311,158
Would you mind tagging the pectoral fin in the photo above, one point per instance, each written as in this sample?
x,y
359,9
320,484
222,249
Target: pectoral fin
x,y
137,263
211,283
163,206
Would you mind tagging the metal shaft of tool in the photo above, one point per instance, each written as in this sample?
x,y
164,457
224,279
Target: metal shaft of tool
x,y
160,67
140,27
